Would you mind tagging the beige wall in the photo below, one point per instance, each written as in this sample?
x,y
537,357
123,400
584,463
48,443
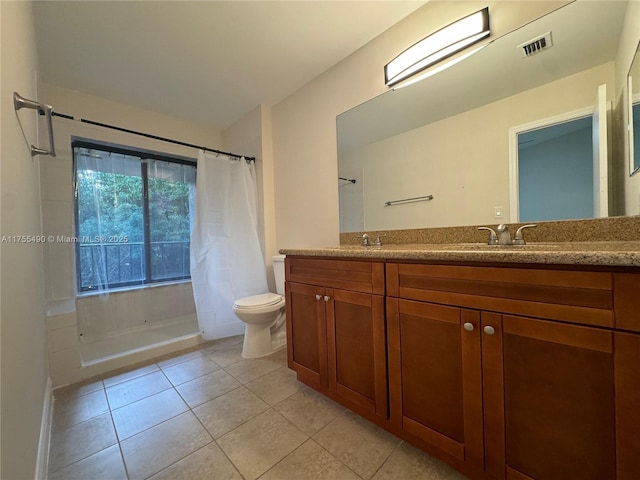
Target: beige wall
x,y
58,220
304,124
629,38
251,136
462,160
24,362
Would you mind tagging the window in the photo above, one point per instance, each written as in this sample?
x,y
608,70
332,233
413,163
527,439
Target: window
x,y
134,212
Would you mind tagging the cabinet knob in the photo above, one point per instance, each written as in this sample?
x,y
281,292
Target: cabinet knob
x,y
318,297
327,298
489,330
468,326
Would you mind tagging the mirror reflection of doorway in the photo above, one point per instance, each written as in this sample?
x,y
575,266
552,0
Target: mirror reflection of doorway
x,y
555,172
635,138
566,159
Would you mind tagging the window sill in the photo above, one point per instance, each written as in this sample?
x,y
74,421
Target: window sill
x,y
129,288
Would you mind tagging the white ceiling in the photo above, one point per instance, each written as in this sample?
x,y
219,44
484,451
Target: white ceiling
x,y
206,61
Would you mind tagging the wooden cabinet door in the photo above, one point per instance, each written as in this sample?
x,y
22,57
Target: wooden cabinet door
x,y
548,399
627,379
435,376
307,333
357,349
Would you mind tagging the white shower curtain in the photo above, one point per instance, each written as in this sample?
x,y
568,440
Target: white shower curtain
x,y
226,259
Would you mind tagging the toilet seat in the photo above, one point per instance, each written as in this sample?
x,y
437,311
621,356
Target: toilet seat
x,y
258,301
264,316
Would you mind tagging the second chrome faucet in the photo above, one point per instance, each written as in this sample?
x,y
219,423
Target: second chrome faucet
x,y
502,236
367,242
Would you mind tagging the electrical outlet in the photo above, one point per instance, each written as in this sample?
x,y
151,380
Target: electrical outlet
x,y
498,212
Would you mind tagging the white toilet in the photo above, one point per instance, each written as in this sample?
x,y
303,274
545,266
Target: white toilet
x,y
264,315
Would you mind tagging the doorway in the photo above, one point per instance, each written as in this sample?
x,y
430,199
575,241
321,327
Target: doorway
x,y
559,166
555,172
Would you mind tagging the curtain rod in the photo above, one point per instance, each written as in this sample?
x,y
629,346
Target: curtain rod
x,y
154,137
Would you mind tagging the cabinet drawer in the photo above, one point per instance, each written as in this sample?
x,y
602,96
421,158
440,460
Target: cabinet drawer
x,y
570,296
354,275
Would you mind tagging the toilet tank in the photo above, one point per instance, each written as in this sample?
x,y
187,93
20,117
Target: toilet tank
x,y
278,272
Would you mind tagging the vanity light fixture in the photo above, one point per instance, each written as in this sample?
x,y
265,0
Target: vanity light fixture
x,y
439,45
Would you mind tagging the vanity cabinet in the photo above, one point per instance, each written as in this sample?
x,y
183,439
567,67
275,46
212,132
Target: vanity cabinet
x,y
336,330
515,373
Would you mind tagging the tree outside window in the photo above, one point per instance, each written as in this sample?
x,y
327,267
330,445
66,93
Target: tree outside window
x,y
134,214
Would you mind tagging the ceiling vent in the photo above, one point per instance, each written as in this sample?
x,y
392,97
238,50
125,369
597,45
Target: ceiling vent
x,y
535,45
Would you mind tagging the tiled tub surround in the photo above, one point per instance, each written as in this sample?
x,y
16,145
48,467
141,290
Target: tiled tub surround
x,y
209,413
593,230
102,316
144,323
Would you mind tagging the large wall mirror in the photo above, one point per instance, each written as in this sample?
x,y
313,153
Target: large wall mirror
x,y
633,119
469,145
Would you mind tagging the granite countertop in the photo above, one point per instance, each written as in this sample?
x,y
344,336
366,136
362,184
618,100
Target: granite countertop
x,y
569,253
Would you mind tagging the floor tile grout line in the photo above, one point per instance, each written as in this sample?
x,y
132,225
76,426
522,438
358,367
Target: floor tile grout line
x,y
174,387
117,436
253,418
210,399
284,458
254,379
65,392
165,421
59,428
244,422
120,440
157,425
49,472
120,382
124,463
182,458
101,377
87,456
358,475
387,457
332,455
138,399
189,360
332,420
190,409
213,439
278,402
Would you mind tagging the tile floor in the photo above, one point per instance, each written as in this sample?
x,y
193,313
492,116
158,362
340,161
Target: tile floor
x,y
209,413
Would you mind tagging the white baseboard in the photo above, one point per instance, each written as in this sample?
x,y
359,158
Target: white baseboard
x,y
42,462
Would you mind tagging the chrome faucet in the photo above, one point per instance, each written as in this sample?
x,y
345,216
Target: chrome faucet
x,y
378,241
493,238
519,238
366,241
502,236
